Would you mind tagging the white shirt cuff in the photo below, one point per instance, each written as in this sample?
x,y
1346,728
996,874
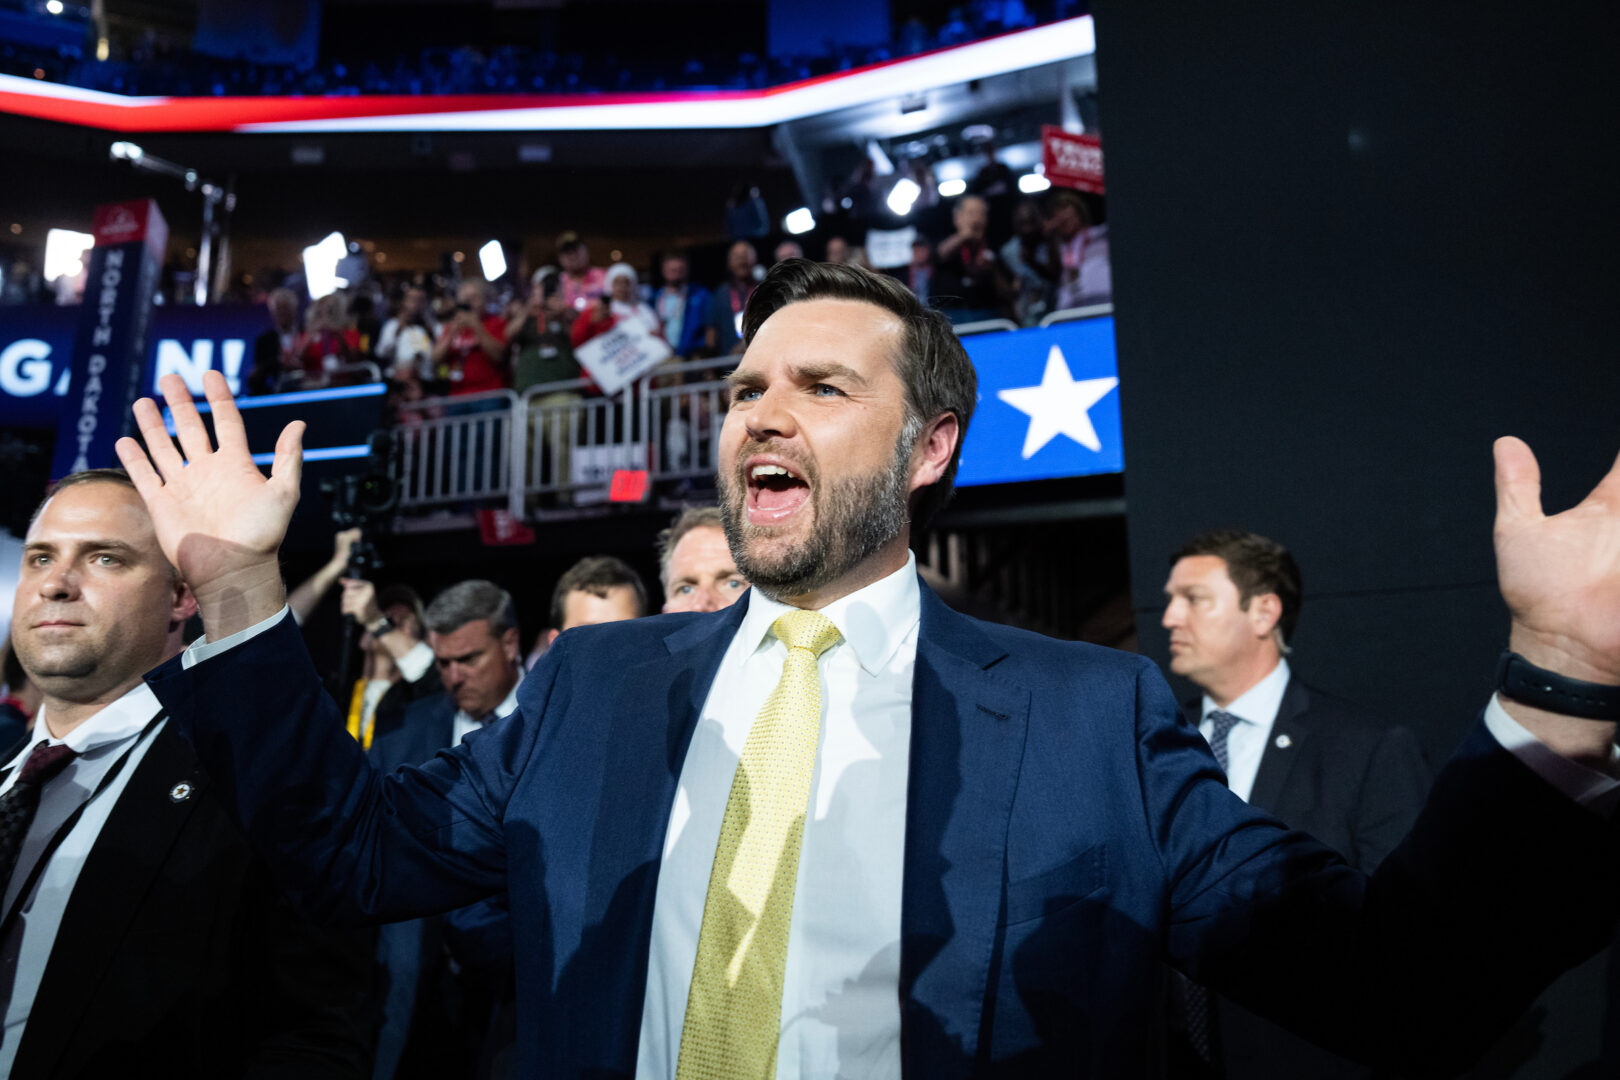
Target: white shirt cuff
x,y
203,649
1595,790
414,664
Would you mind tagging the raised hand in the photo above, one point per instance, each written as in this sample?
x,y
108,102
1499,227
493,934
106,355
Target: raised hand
x,y
1560,576
220,522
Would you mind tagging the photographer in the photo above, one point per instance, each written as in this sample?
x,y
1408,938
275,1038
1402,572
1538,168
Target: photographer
x,y
405,344
398,666
471,352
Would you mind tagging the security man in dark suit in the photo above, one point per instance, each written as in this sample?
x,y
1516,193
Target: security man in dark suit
x,y
443,975
139,930
1320,764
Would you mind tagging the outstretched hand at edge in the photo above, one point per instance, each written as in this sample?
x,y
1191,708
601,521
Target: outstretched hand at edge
x,y
219,520
1560,577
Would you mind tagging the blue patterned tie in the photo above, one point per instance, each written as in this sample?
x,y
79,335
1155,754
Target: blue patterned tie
x,y
1197,1002
1224,723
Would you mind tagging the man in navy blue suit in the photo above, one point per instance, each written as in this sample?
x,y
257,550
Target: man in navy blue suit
x,y
1002,834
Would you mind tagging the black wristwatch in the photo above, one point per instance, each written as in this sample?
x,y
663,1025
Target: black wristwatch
x,y
380,627
1522,681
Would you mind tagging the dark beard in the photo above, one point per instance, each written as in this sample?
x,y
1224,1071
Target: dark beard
x,y
854,518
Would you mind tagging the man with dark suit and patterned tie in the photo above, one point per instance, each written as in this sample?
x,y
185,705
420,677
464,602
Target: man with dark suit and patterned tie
x,y
139,931
840,830
437,998
1319,764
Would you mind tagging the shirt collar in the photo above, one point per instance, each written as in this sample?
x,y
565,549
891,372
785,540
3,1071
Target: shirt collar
x,y
1260,702
873,620
508,703
114,723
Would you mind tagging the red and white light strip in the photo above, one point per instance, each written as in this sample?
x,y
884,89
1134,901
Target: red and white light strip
x,y
1015,51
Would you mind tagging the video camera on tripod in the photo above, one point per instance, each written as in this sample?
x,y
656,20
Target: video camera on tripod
x,y
361,500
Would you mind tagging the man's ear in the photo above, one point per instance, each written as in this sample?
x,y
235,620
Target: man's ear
x,y
1264,613
509,645
551,637
932,454
184,606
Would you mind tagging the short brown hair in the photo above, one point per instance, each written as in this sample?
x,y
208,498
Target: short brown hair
x,y
596,574
692,517
932,364
1257,565
406,597
83,476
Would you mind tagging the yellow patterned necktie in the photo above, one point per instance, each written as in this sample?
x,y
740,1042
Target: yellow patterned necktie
x,y
734,1010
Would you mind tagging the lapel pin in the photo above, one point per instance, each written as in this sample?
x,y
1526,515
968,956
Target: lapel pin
x,y
180,792
1284,742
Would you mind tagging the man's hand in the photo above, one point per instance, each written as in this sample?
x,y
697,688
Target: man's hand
x,y
360,600
219,521
342,544
1560,577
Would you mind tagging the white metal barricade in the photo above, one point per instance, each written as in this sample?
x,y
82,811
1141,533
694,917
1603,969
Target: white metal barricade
x,y
457,450
683,406
1073,313
574,442
984,326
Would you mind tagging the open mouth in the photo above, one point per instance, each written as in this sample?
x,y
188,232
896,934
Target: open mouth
x,y
775,492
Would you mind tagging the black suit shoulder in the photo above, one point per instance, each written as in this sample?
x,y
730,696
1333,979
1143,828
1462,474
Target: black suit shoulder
x,y
177,946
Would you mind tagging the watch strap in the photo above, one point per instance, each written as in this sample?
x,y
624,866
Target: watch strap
x,y
1523,681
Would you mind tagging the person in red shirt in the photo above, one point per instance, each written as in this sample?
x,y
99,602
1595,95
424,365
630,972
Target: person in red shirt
x,y
471,352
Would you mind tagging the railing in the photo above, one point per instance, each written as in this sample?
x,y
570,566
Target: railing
x,y
449,452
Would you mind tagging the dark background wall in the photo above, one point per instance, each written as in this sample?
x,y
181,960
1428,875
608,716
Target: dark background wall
x,y
1354,243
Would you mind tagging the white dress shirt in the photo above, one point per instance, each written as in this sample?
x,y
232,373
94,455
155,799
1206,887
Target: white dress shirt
x,y
1256,709
465,725
840,1003
99,741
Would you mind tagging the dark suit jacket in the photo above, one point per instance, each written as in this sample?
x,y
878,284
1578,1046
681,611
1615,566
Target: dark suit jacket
x,y
177,953
1065,830
429,1025
1354,782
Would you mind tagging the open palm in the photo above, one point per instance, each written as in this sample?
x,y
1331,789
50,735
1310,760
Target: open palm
x,y
219,520
1560,575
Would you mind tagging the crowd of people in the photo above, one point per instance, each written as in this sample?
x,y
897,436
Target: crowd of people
x,y
436,337
155,65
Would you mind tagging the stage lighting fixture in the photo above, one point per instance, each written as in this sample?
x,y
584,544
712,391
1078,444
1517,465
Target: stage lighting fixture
x,y
492,259
950,189
54,6
800,221
320,266
64,253
126,151
903,194
1031,183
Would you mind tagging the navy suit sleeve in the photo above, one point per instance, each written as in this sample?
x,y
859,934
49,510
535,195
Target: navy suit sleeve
x,y
1501,885
348,842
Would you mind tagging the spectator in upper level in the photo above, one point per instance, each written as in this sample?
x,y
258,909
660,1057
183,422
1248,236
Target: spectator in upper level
x,y
788,249
471,353
329,344
542,349
681,305
581,282
837,250
968,282
622,306
723,327
1086,277
919,273
275,352
406,340
1031,260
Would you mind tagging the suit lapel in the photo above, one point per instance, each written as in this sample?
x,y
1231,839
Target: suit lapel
x,y
129,852
967,741
1288,734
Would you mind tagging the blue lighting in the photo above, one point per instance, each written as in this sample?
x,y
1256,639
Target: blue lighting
x,y
324,453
